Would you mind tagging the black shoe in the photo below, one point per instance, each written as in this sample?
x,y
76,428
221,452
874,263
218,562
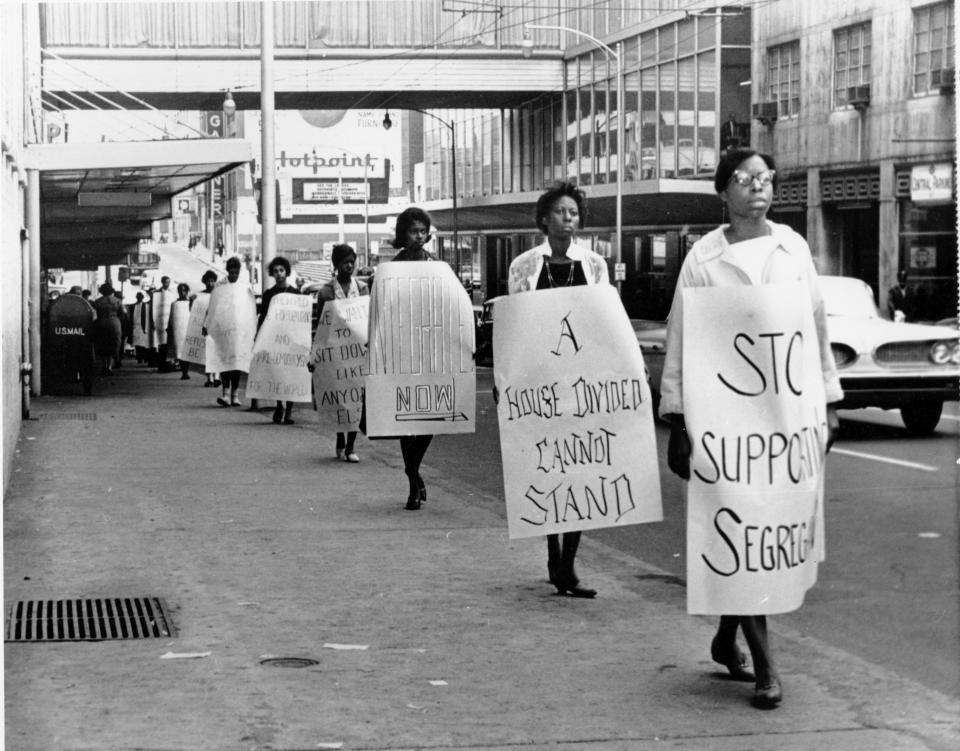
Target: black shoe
x,y
733,660
575,590
421,489
278,415
567,583
769,695
413,503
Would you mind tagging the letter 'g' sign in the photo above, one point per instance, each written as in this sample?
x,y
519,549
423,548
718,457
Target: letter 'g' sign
x,y
755,409
576,424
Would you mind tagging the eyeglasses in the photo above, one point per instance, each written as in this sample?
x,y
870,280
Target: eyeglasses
x,y
746,179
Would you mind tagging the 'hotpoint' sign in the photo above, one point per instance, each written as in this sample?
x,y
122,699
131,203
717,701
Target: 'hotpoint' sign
x,y
314,181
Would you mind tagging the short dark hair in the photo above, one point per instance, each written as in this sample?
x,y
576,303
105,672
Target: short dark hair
x,y
184,285
279,261
105,289
208,274
340,253
233,262
732,159
407,217
550,197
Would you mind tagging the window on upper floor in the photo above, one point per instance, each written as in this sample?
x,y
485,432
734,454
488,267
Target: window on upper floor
x,y
933,46
783,78
851,61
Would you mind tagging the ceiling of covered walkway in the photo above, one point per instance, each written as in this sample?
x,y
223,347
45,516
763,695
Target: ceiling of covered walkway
x,y
188,81
98,200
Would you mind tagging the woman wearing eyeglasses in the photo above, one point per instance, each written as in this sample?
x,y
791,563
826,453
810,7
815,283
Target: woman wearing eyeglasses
x,y
749,250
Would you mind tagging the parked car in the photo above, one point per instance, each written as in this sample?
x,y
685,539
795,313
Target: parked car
x,y
652,338
907,366
484,332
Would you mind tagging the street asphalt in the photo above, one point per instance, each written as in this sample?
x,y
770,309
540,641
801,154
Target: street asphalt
x,y
421,629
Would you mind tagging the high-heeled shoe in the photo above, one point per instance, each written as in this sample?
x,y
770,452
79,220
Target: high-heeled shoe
x,y
567,583
575,590
768,695
421,489
733,660
413,503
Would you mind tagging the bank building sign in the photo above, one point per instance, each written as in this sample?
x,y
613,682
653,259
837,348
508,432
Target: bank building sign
x,y
932,183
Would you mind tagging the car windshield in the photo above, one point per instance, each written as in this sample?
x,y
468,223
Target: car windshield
x,y
848,297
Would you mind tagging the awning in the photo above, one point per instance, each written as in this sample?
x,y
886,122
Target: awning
x,y
648,203
98,200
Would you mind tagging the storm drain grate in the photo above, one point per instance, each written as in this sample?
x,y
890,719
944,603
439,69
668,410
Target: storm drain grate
x,y
69,416
88,619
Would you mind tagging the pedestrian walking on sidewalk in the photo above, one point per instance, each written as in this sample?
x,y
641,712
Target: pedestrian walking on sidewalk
x,y
279,269
177,328
231,323
750,250
162,303
342,286
109,328
411,234
209,281
559,262
141,323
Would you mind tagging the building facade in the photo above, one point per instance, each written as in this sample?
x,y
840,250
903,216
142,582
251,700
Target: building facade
x,y
858,108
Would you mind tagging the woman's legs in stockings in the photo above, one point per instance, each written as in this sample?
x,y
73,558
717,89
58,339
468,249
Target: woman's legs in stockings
x,y
724,650
560,558
413,449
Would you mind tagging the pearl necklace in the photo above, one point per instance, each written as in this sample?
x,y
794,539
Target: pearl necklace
x,y
550,280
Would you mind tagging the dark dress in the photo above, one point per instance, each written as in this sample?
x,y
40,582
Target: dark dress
x,y
561,554
109,327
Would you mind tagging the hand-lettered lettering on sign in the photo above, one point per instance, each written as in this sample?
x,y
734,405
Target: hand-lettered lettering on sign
x,y
195,343
422,379
278,367
231,323
755,410
339,358
576,420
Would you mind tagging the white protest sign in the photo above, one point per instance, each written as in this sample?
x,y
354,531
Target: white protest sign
x,y
195,343
421,373
278,368
755,410
339,358
231,325
575,414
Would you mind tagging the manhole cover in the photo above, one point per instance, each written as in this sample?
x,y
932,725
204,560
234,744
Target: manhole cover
x,y
88,619
289,662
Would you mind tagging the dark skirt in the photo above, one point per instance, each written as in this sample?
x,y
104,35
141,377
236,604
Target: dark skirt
x,y
109,335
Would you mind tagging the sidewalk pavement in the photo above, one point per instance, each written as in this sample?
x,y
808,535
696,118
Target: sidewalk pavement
x,y
263,545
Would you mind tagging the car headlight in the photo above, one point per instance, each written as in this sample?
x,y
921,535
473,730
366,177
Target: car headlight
x,y
942,353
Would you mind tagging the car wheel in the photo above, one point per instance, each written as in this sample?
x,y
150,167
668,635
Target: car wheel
x,y
922,418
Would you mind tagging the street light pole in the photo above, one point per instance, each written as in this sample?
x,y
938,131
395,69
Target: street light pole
x,y
268,170
366,199
618,57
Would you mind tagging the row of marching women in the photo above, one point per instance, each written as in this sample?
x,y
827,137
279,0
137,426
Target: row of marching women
x,y
748,388
157,325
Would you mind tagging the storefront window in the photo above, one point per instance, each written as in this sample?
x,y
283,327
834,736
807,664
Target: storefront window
x,y
928,252
601,148
586,137
707,112
668,121
648,123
